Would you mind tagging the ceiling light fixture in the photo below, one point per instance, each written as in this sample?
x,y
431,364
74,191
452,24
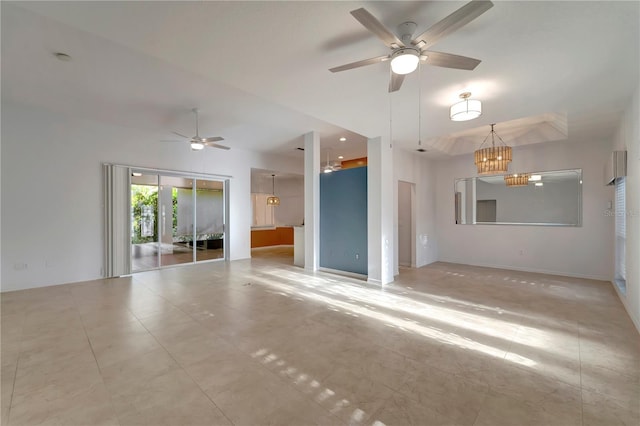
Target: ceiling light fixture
x,y
492,159
405,60
516,179
535,178
273,200
340,157
539,184
342,139
466,109
196,146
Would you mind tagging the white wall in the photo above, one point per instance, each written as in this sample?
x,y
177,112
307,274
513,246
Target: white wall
x,y
628,137
52,213
585,251
412,168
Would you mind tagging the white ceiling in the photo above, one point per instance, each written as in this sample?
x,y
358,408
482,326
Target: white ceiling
x,y
259,70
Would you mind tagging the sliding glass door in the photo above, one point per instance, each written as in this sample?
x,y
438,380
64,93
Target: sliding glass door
x,y
175,219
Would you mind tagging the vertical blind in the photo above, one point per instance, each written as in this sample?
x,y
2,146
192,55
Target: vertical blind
x,y
117,220
621,229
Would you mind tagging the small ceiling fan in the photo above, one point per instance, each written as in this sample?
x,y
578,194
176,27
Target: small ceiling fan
x,y
198,143
407,51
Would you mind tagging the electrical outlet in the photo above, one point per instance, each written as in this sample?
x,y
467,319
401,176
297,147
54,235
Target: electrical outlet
x,y
357,256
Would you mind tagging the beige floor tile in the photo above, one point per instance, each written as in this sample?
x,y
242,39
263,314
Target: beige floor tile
x,y
50,405
449,395
351,397
402,411
259,341
259,389
131,376
600,410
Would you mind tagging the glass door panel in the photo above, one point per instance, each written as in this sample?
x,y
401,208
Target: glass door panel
x,y
144,222
209,219
176,215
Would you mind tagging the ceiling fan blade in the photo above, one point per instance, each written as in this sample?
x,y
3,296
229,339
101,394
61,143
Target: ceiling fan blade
x,y
360,63
215,145
395,82
212,139
171,140
371,23
448,60
451,23
181,135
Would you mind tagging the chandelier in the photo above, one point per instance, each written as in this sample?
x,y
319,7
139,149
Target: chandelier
x,y
516,179
273,200
493,159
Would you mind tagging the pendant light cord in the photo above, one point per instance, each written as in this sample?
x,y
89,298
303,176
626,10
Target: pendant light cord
x,y
419,103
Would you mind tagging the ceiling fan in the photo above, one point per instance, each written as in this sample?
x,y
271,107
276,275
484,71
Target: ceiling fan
x,y
407,52
198,143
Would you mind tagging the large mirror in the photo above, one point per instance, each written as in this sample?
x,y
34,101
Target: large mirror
x,y
551,198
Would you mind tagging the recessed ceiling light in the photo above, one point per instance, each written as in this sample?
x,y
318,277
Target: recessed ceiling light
x,y
342,139
62,56
340,157
539,184
535,178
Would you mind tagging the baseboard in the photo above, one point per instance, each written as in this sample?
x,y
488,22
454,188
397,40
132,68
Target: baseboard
x,y
343,273
534,270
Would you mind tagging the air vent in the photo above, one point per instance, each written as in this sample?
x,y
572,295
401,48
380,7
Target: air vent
x,y
616,167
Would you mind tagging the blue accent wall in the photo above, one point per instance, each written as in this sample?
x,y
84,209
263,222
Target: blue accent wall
x,y
343,220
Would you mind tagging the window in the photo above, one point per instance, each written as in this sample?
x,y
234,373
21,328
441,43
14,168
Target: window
x,y
621,235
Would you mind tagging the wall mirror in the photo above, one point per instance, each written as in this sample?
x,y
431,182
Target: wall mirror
x,y
552,198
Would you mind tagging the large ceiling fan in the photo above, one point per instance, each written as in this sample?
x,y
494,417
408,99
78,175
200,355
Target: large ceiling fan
x,y
407,52
197,143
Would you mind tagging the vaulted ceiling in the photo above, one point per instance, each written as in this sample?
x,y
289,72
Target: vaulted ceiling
x,y
258,71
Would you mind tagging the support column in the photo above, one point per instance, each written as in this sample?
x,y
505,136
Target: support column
x,y
380,208
311,201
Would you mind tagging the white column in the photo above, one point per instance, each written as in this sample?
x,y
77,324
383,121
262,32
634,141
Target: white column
x,y
380,237
311,201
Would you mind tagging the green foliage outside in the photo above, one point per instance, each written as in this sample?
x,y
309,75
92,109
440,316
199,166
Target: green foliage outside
x,y
143,196
144,200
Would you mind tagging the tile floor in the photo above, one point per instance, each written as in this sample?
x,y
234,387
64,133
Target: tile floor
x,y
261,342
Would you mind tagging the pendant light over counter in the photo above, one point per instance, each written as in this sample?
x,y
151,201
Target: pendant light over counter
x,y
273,200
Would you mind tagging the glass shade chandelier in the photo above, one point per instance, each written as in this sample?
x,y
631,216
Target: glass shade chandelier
x,y
466,109
493,159
517,179
273,200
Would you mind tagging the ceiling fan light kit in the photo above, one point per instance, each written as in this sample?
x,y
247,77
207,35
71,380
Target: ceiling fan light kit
x,y
405,60
466,109
196,146
493,159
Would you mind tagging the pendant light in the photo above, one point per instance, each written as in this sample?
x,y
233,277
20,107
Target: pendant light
x,y
493,159
273,200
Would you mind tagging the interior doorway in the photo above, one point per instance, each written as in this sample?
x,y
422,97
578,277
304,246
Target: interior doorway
x,y
406,224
